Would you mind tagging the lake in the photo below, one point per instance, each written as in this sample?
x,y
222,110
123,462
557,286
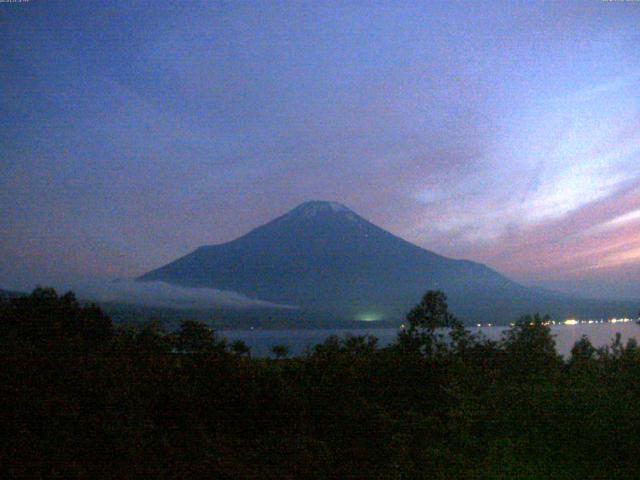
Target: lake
x,y
261,341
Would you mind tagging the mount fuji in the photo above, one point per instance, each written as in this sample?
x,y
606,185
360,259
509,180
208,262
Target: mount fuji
x,y
323,257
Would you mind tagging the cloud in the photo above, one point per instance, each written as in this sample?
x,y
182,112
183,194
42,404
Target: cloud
x,y
597,242
161,294
477,131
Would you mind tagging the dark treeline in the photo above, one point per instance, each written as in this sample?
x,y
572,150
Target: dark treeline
x,y
84,399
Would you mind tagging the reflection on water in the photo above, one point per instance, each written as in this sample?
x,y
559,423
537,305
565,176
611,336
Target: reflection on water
x,y
261,341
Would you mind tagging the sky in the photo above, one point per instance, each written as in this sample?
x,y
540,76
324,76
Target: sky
x,y
132,132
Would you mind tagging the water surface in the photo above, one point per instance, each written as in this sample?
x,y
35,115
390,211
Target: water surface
x,y
298,341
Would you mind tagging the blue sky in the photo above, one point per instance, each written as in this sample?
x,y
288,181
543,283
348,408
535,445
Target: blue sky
x,y
503,132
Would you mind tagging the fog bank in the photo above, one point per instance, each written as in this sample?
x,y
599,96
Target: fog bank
x,y
161,294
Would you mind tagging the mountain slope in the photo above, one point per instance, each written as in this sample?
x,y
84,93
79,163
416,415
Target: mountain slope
x,y
323,257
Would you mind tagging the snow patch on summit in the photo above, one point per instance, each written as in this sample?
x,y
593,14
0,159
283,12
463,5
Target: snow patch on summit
x,y
337,207
310,209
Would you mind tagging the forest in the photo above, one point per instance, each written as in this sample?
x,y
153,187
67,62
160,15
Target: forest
x,y
83,397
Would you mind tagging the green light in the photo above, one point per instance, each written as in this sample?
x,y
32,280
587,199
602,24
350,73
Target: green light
x,y
369,317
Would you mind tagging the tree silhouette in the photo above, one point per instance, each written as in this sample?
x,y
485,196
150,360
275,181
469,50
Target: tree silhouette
x,y
424,319
45,319
583,350
239,347
280,351
348,409
153,338
196,337
530,346
360,344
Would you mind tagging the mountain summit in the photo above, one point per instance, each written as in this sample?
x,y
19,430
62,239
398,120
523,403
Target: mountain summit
x,y
323,257
313,207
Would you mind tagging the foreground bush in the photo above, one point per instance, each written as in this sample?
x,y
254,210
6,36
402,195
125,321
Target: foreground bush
x,y
82,399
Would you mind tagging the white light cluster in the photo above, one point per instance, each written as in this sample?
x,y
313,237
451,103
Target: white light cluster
x,y
572,321
568,321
